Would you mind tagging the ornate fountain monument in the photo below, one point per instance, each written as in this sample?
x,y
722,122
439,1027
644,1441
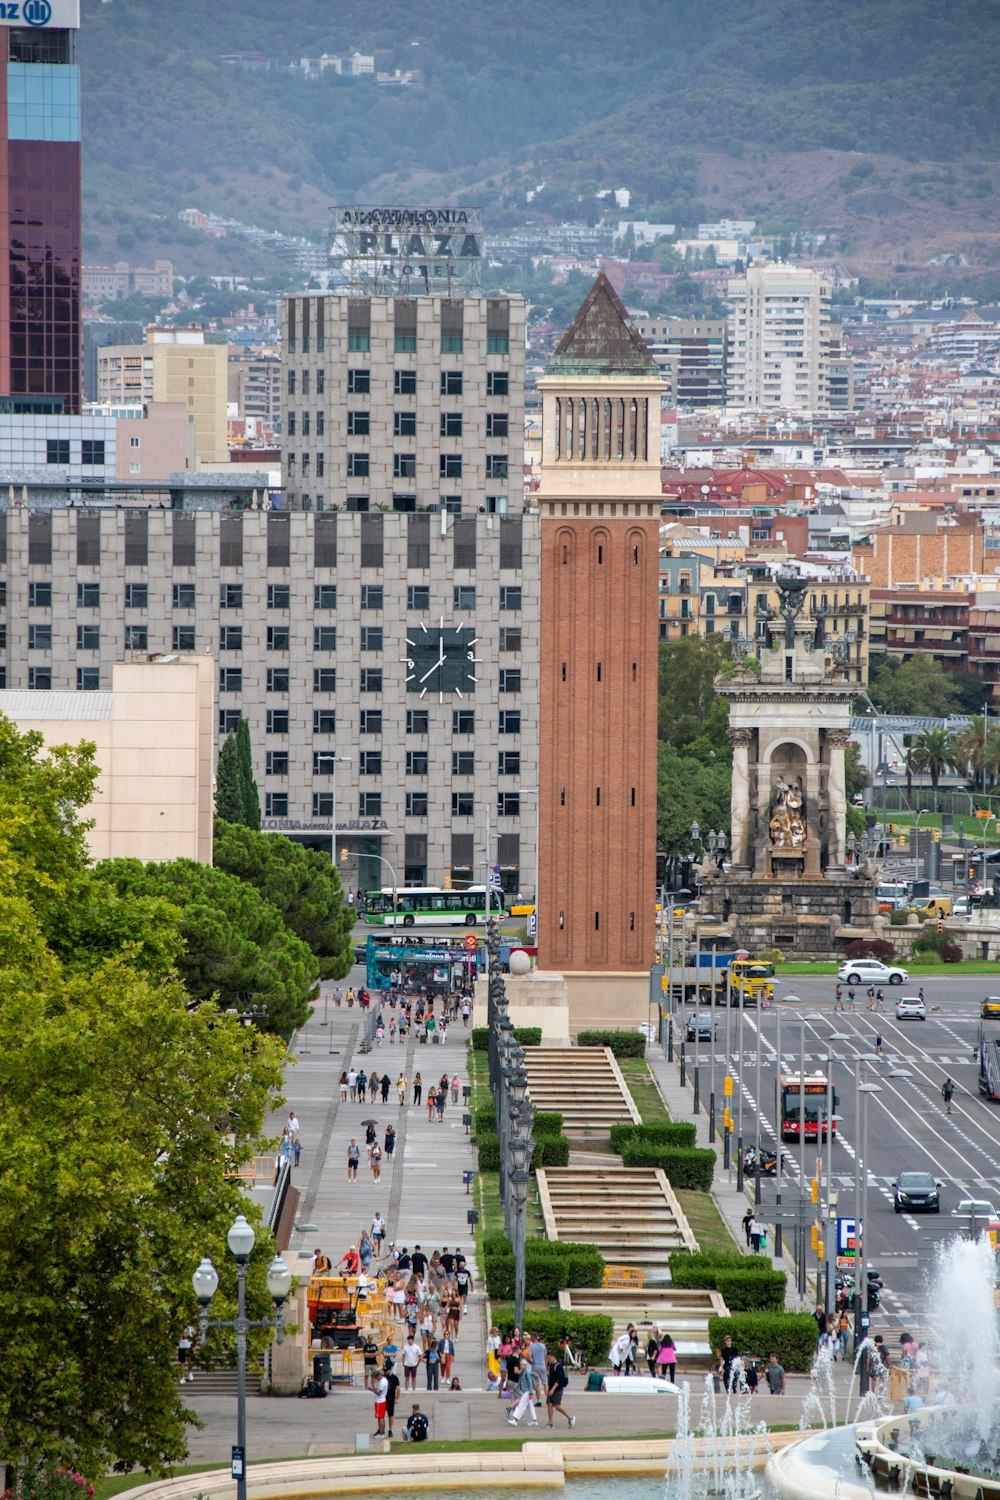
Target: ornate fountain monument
x,y
790,885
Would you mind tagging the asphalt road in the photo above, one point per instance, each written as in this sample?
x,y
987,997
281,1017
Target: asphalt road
x,y
908,1129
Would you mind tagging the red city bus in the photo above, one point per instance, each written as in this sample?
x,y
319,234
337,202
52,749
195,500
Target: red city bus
x,y
815,1086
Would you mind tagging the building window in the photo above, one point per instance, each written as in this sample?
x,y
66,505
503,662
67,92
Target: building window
x,y
325,596
305,382
463,805
88,679
509,804
230,679
320,427
276,721
40,679
510,638
404,466
416,804
510,721
371,638
324,679
406,342
369,804
279,596
183,595
496,466
359,382
306,427
464,596
183,638
370,762
136,638
510,598
92,452
371,596
463,763
405,383
229,718
324,762
322,804
291,382
276,804
451,343
416,762
497,383
451,424
371,721
371,679
451,382
324,638
324,721
278,637
417,721
509,763
463,721
276,763
39,637
135,442
231,596
136,596
357,465
404,424
88,596
496,424
277,679
418,596
450,465
359,341
39,596
290,465
57,451
358,423
231,638
320,374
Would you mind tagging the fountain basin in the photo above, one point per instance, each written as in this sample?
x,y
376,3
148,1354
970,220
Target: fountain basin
x,y
926,1447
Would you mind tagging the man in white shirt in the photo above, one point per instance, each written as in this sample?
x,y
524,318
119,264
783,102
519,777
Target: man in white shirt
x,y
411,1362
381,1392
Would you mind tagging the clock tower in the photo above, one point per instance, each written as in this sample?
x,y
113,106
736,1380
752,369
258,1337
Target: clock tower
x,y
599,505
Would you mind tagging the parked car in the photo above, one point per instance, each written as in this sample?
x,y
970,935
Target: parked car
x,y
983,1210
639,1385
932,906
910,1008
870,971
961,907
913,1192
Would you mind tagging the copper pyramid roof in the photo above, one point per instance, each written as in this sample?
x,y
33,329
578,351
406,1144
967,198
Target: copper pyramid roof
x,y
601,340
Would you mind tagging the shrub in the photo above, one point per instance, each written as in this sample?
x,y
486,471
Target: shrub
x,y
699,1267
584,1263
791,1336
545,1276
660,1133
748,1283
951,953
622,1043
528,1036
685,1166
879,948
550,1151
591,1331
547,1121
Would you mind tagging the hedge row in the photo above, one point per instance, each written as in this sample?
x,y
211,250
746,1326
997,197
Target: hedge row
x,y
747,1283
528,1036
685,1166
550,1151
584,1263
661,1133
622,1043
685,1263
592,1332
791,1336
547,1121
544,1276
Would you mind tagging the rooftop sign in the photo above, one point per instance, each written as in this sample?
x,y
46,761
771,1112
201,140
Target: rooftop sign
x,y
54,15
407,251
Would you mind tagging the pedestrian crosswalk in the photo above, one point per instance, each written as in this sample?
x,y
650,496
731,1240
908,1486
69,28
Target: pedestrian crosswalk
x,y
791,1060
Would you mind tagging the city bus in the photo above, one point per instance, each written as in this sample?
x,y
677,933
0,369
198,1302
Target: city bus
x,y
816,1085
430,906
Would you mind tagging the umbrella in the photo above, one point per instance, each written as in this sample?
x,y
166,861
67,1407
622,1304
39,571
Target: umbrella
x,y
369,1122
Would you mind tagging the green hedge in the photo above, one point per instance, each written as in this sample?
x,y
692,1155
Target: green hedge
x,y
593,1332
584,1263
687,1265
545,1276
747,1282
791,1336
547,1121
528,1036
550,1151
622,1043
662,1132
685,1166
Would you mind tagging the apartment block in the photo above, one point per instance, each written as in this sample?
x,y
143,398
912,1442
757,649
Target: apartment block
x,y
123,280
325,630
174,364
407,403
691,355
779,340
255,388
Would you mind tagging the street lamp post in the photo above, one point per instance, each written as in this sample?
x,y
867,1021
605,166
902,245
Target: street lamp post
x,y
861,1211
696,1091
522,1147
205,1281
711,1062
727,1135
346,760
739,1103
395,884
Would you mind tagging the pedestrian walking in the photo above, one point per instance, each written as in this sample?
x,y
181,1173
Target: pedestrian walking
x,y
373,1086
386,1084
352,1085
746,1221
411,1362
378,1234
353,1157
666,1358
456,1084
392,1380
432,1360
879,1044
775,1376
431,1102
850,998
441,1097
401,1089
375,1162
838,998
390,1142
947,1093
362,1085
381,1396
185,1354
418,1089
755,1235
556,1390
343,1088
526,1395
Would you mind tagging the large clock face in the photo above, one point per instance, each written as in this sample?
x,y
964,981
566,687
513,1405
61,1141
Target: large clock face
x,y
441,659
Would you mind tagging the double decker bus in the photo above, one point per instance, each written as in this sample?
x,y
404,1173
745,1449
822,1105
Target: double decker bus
x,y
430,906
790,1089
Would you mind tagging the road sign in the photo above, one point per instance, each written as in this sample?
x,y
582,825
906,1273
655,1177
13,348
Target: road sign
x,y
471,940
533,925
849,1243
495,877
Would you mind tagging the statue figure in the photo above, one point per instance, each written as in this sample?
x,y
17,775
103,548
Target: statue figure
x,y
787,825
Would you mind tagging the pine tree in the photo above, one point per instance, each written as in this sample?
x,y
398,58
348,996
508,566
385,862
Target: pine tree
x,y
249,795
236,797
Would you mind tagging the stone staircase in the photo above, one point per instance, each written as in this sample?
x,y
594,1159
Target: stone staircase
x,y
584,1084
630,1213
682,1312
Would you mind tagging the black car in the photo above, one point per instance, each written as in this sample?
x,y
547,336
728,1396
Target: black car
x,y
700,1027
915,1192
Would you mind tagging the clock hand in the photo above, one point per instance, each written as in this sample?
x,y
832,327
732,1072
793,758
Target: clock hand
x,y
439,663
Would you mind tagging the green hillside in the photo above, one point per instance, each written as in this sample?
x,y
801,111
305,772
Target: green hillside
x,y
585,94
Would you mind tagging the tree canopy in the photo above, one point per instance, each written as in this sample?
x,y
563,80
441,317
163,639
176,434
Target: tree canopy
x,y
235,943
919,686
695,756
299,883
125,1113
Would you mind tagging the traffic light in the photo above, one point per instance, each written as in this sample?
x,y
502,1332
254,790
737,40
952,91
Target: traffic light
x,y
936,835
447,882
940,925
902,841
815,1237
814,1190
343,856
820,1247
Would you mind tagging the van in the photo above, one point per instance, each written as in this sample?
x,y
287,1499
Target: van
x,y
932,906
892,895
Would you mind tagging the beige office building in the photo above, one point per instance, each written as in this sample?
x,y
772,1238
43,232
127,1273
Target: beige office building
x,y
154,729
779,339
174,365
255,388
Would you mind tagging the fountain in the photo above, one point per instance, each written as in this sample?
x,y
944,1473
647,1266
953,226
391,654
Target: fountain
x,y
723,1462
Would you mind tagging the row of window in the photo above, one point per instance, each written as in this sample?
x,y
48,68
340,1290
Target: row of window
x,y
370,763
404,424
57,451
404,383
277,720
231,678
404,465
279,596
370,805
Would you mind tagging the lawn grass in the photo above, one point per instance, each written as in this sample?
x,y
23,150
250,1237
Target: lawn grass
x,y
635,1071
491,1209
707,1224
912,966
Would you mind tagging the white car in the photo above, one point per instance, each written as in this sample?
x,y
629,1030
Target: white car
x,y
639,1385
982,1209
870,971
910,1008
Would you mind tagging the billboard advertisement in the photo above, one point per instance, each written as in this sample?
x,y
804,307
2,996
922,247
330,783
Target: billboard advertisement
x,y
56,15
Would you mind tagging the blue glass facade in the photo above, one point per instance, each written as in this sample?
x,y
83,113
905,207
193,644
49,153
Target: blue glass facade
x,y
43,102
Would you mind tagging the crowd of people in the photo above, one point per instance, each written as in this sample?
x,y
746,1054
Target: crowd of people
x,y
522,1370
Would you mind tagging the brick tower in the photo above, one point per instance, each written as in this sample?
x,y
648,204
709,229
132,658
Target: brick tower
x,y
600,507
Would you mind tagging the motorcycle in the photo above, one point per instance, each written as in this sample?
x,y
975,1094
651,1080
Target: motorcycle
x,y
767,1165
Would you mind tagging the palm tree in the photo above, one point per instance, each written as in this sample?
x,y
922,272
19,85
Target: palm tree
x,y
977,751
934,752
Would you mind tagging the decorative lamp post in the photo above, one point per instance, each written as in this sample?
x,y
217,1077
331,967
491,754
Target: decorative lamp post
x,y
522,1147
205,1281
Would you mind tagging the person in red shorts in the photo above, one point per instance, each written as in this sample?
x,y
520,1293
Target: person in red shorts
x,y
381,1393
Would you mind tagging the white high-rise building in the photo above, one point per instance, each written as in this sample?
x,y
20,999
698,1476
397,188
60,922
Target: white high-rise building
x,y
779,339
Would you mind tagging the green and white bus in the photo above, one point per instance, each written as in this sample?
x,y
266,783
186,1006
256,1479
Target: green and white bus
x,y
430,906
